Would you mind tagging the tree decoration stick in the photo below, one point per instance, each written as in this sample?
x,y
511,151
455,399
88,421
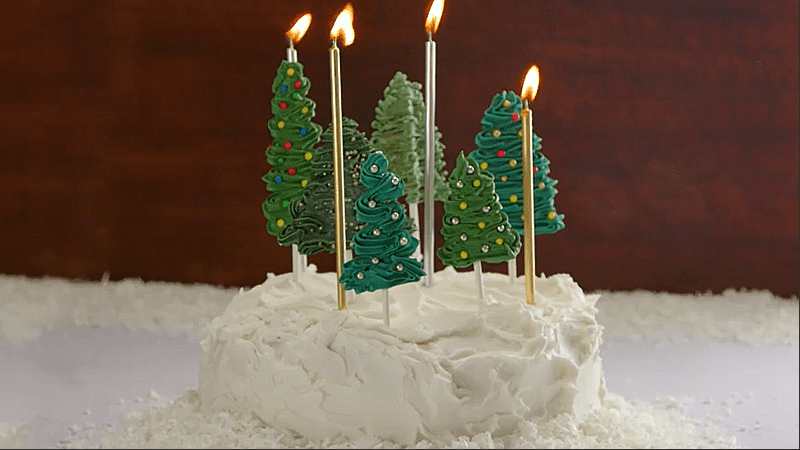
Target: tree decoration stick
x,y
342,25
478,269
475,228
383,247
529,89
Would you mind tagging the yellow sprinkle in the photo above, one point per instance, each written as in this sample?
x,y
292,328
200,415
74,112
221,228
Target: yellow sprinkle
x,y
513,198
463,205
481,225
506,104
304,110
280,223
496,133
512,163
541,185
281,124
551,215
484,165
499,241
503,178
308,156
522,218
290,71
304,183
464,254
476,183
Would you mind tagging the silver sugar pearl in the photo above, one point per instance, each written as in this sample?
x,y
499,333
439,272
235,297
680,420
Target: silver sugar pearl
x,y
403,240
371,203
375,260
485,248
501,228
395,215
373,168
376,231
470,169
459,184
360,276
463,237
395,181
487,208
399,267
454,221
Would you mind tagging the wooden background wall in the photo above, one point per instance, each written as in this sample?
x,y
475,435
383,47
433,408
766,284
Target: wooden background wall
x,y
132,133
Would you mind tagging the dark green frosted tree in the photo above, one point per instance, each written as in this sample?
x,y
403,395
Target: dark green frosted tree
x,y
475,228
500,152
294,136
399,132
383,247
313,219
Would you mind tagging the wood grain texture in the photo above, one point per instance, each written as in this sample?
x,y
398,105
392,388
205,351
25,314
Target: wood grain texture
x,y
132,133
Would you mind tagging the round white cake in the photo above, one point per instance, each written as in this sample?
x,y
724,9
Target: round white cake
x,y
449,365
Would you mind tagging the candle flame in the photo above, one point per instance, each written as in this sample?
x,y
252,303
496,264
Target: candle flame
x,y
434,16
531,84
299,29
344,26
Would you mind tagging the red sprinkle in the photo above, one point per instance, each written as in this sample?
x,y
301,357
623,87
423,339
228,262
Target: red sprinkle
x,y
287,145
283,105
501,153
515,117
297,84
535,169
291,171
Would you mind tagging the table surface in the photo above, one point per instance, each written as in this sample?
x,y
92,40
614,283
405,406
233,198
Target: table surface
x,y
74,375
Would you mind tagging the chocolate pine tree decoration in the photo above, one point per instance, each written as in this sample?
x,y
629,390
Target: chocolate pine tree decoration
x,y
475,227
312,226
383,247
399,132
500,152
294,136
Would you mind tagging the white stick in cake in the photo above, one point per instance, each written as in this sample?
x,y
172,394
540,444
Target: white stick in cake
x,y
385,293
478,269
512,270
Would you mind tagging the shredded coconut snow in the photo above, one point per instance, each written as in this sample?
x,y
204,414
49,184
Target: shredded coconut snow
x,y
15,436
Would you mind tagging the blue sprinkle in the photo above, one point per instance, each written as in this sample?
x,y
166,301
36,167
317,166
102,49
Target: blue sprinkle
x,y
283,88
303,131
278,180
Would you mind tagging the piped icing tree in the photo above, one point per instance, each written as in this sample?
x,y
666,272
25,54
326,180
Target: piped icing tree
x,y
475,228
312,225
291,153
399,132
500,152
384,245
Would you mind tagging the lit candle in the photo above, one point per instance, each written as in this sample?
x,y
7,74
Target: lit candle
x,y
529,88
343,26
431,25
294,34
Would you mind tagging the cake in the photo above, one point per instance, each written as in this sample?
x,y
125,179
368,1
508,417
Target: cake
x,y
448,366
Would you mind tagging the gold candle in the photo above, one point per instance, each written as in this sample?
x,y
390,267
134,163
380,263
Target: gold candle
x,y
431,24
342,26
294,34
529,88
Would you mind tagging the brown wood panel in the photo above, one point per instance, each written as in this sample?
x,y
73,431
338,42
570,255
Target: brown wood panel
x,y
132,133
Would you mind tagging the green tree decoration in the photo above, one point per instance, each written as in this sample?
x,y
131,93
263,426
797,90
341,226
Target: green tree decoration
x,y
313,219
294,136
383,247
500,152
475,227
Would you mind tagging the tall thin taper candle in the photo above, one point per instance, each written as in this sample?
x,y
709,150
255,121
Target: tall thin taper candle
x,y
529,88
338,169
431,23
342,25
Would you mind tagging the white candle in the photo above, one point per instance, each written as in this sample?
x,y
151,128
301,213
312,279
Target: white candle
x,y
431,24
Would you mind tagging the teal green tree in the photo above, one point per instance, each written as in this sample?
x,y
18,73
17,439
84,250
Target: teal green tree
x,y
399,132
475,228
383,247
294,136
499,150
312,225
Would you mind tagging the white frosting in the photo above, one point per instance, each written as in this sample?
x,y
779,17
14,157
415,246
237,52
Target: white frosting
x,y
448,366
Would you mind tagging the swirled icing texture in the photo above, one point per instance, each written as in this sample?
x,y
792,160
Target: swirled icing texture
x,y
383,257
500,148
475,227
399,132
290,155
446,367
314,218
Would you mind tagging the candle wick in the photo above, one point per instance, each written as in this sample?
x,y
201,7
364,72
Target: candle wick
x,y
333,42
525,104
430,36
291,43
